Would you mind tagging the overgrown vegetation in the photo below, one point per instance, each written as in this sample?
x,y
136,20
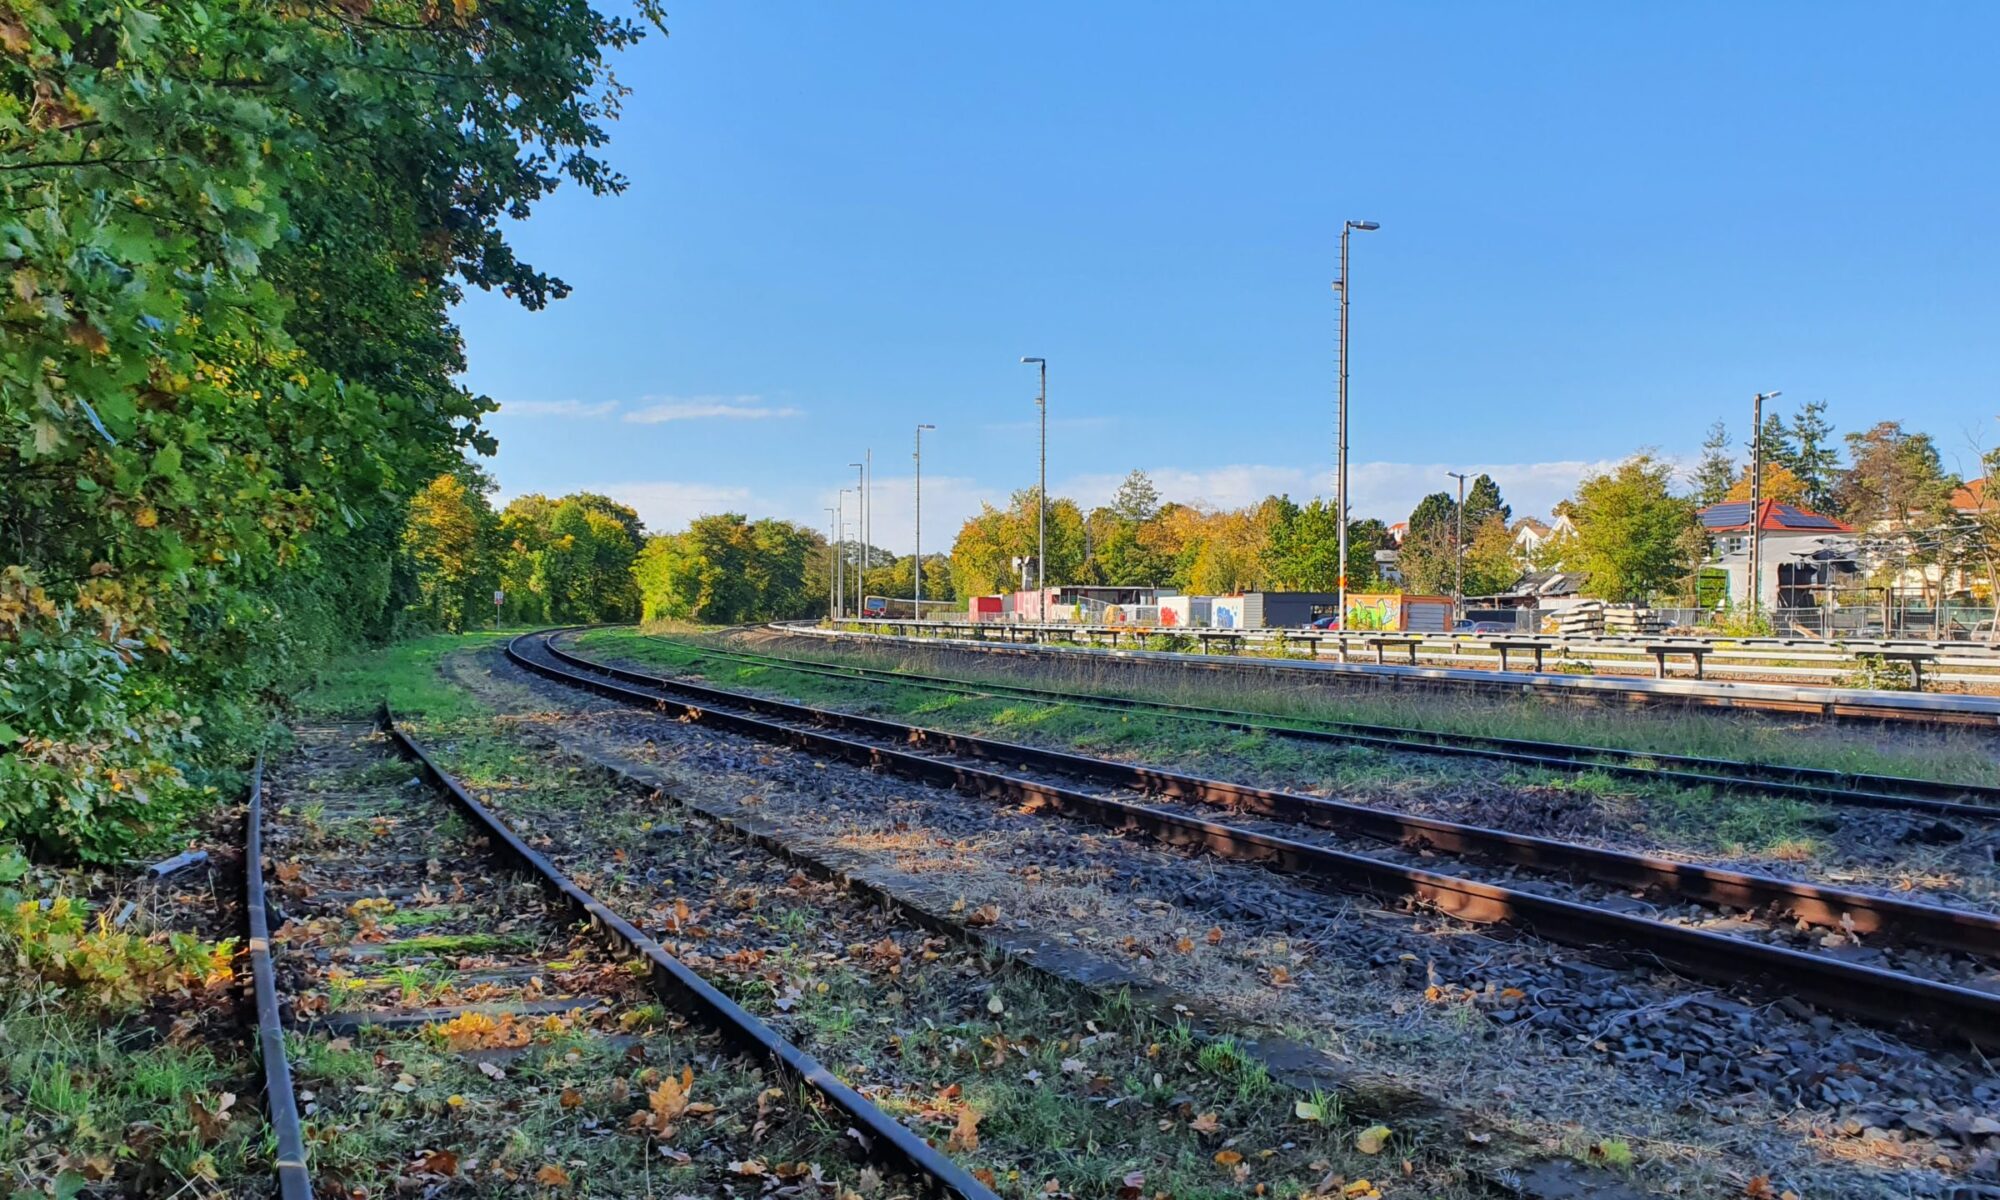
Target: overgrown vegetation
x,y
232,233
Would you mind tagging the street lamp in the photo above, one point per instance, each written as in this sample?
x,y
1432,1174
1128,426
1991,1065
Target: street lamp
x,y
832,579
840,553
860,523
917,565
1458,589
1757,497
1340,285
1042,495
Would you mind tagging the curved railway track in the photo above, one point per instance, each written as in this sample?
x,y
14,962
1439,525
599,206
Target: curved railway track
x,y
963,762
884,1140
1820,785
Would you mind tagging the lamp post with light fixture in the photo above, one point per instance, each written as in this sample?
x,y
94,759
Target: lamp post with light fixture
x,y
1042,495
1340,485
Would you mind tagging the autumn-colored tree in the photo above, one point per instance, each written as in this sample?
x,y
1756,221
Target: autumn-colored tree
x,y
450,539
1779,484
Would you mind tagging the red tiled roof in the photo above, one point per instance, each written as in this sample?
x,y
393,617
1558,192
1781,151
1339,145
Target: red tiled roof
x,y
1972,497
1733,516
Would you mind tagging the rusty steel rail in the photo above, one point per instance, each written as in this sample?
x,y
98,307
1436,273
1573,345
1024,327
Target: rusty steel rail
x,y
880,1135
281,1106
1860,912
1815,784
1871,992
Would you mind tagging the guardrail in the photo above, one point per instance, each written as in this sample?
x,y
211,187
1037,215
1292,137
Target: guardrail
x,y
1968,664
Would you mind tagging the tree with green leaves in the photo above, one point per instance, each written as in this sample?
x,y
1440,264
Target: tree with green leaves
x,y
1629,530
1716,471
1815,456
1482,501
233,233
1429,556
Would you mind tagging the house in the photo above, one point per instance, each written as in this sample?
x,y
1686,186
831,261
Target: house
x,y
1530,535
1390,555
1801,553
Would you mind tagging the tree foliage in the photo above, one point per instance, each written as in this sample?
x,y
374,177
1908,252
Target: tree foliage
x,y
724,569
232,234
1629,530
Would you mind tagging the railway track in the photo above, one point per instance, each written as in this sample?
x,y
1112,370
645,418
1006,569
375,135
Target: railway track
x,y
506,997
966,763
1964,800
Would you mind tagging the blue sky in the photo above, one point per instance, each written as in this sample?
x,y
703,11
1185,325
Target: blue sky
x,y
1603,227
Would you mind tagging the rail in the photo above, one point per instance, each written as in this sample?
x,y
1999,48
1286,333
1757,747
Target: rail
x,y
1883,995
1816,784
881,1136
281,1106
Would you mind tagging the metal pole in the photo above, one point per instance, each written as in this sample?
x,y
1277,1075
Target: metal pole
x,y
1340,481
840,555
860,567
1340,437
1041,497
832,579
1458,588
1757,500
1042,502
917,563
867,510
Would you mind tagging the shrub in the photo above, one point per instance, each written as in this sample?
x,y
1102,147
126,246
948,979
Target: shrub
x,y
87,743
101,969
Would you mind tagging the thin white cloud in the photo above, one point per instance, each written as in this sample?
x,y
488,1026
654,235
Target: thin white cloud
x,y
703,408
557,408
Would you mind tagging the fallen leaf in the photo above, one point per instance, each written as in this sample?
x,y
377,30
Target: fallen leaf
x,y
1309,1110
985,914
1372,1139
571,1098
551,1175
994,1005
1215,935
1205,1123
1228,1158
439,1162
965,1135
211,1123
749,1166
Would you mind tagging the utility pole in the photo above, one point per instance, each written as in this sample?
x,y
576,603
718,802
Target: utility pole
x,y
840,555
1340,484
1458,588
860,519
1042,497
867,511
832,578
1757,499
917,557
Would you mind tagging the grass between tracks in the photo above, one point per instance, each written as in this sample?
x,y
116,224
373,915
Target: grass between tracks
x,y
1699,820
1042,1088
1950,755
122,1057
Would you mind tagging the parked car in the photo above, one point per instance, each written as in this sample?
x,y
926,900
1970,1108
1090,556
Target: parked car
x,y
1326,622
1486,628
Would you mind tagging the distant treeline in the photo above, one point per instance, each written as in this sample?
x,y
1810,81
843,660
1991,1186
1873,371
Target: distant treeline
x,y
585,558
